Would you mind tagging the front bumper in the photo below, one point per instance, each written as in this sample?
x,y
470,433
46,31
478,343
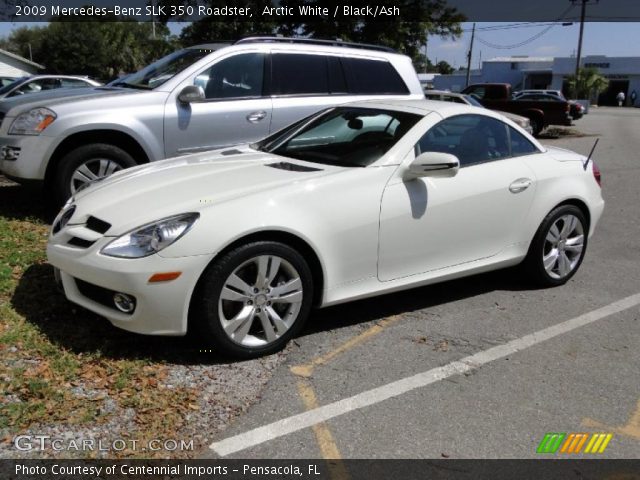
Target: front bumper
x,y
25,157
161,308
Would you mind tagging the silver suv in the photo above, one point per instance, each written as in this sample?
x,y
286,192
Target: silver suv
x,y
196,99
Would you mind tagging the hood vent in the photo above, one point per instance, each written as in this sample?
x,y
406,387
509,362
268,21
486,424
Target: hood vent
x,y
292,167
226,153
97,225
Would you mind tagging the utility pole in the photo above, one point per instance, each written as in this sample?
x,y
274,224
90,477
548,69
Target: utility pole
x,y
426,59
473,35
583,14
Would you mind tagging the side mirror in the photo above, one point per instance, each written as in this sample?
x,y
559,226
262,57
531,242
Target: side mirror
x,y
434,164
191,94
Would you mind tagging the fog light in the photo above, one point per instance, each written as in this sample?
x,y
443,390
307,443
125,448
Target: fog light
x,y
125,303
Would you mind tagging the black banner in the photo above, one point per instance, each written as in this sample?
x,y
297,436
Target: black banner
x,y
321,469
313,10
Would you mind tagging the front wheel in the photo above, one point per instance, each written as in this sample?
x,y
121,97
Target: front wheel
x,y
253,300
558,247
87,164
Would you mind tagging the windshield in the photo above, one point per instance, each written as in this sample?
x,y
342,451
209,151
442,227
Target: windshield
x,y
473,101
12,85
348,137
159,72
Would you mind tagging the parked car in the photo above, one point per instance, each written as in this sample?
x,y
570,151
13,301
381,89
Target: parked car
x,y
40,83
575,109
358,200
445,96
192,100
4,81
497,96
556,93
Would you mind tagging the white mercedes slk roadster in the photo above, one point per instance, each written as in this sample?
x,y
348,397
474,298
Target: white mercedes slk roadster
x,y
239,244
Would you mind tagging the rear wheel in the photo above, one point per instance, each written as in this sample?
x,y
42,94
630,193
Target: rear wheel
x,y
558,247
537,125
87,164
253,299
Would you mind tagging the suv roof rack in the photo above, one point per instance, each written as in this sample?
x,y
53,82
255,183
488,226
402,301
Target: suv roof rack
x,y
313,41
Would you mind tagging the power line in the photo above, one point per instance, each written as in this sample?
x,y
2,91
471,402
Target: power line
x,y
528,40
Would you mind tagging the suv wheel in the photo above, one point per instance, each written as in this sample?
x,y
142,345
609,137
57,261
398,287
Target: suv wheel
x,y
87,164
253,299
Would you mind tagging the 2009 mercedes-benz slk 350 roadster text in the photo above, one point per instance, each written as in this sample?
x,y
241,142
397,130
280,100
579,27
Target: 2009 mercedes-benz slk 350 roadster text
x,y
355,201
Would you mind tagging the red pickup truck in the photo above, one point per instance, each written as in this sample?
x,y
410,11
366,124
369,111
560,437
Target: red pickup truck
x,y
497,96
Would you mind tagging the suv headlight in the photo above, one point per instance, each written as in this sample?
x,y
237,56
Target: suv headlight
x,y
32,122
150,238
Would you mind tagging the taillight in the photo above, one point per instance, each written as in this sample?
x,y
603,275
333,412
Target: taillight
x,y
596,173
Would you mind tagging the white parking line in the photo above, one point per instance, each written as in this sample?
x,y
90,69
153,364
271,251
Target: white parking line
x,y
309,418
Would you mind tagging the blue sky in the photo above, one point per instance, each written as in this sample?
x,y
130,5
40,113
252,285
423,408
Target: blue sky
x,y
601,38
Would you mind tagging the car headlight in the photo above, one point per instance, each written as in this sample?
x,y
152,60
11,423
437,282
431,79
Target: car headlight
x,y
32,122
150,238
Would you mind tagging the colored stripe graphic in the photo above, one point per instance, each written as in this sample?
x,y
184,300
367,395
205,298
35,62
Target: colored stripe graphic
x,y
598,443
551,442
574,443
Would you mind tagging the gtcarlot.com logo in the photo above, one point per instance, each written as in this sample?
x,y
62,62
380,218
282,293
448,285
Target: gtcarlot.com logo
x,y
574,443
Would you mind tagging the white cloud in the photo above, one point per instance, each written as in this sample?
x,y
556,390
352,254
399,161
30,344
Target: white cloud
x,y
452,46
547,49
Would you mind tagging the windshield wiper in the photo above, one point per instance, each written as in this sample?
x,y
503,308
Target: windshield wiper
x,y
131,85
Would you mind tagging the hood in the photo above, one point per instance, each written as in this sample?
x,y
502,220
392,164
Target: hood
x,y
59,96
136,196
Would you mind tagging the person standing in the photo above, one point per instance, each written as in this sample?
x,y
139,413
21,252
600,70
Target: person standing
x,y
620,97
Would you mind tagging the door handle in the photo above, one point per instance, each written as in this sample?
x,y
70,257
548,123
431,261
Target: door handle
x,y
520,185
255,117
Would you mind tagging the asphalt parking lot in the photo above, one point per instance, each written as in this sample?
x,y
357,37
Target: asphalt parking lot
x,y
453,370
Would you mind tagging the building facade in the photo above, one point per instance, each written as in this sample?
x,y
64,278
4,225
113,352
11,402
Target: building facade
x,y
523,72
12,65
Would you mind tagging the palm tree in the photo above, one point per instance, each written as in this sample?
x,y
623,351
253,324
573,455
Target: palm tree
x,y
588,84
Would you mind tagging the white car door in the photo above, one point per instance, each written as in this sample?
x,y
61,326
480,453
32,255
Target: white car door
x,y
431,223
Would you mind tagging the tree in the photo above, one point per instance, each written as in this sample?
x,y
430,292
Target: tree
x,y
212,30
405,33
588,84
443,68
99,49
420,62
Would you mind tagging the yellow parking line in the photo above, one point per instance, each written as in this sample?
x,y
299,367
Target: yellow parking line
x,y
328,447
306,370
327,444
631,429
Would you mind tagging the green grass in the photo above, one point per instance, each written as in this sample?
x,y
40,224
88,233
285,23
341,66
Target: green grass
x,y
48,347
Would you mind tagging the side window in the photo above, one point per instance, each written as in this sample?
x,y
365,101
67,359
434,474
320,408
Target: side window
x,y
472,138
479,92
373,77
520,145
234,77
73,82
299,74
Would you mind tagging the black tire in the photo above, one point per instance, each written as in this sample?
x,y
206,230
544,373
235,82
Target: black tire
x,y
85,154
534,264
537,125
205,320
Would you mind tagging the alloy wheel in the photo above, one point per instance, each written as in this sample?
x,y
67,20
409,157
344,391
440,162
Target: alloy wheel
x,y
92,171
260,301
563,246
